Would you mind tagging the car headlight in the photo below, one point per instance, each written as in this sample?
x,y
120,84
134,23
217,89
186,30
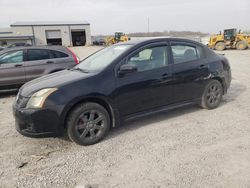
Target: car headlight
x,y
38,98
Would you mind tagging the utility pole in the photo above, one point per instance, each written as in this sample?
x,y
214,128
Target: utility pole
x,y
148,24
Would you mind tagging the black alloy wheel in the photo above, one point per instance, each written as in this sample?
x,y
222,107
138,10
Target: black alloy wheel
x,y
212,95
88,123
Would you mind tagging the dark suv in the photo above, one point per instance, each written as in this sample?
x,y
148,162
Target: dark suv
x,y
22,64
121,82
18,44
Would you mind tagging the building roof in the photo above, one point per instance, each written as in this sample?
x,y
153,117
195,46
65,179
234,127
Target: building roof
x,y
17,37
5,30
49,23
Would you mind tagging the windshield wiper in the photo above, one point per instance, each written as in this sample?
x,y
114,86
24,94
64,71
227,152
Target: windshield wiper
x,y
79,69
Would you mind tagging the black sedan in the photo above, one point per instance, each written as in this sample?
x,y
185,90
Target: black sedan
x,y
121,82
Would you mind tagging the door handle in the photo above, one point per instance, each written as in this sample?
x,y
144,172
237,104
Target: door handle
x,y
202,66
164,76
49,62
18,65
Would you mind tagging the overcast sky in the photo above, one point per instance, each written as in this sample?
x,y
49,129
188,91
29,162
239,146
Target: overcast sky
x,y
108,16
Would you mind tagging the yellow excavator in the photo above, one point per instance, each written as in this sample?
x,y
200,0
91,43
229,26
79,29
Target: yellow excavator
x,y
229,39
119,37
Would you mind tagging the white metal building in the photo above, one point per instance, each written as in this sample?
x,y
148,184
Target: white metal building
x,y
47,33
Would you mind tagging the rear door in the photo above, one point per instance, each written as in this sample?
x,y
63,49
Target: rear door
x,y
188,70
12,68
62,60
37,63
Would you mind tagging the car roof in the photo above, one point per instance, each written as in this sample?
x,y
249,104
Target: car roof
x,y
60,48
158,39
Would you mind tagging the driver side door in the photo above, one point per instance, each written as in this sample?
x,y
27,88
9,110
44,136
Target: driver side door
x,y
150,86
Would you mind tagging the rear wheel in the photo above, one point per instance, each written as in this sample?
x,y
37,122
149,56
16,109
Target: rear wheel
x,y
220,46
88,123
212,95
241,45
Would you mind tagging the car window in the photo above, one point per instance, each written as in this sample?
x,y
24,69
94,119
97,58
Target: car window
x,y
101,59
57,54
185,53
12,57
37,54
149,58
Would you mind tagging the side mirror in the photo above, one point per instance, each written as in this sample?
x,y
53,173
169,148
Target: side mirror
x,y
126,69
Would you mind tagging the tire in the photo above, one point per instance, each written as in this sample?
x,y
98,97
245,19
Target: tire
x,y
88,123
220,46
212,95
241,45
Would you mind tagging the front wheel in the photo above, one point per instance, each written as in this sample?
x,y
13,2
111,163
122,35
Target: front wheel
x,y
212,95
88,123
220,46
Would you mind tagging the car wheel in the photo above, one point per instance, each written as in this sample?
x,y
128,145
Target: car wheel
x,y
241,45
212,95
220,46
88,123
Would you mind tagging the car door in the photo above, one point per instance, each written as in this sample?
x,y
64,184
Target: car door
x,y
61,60
37,62
11,68
150,86
188,70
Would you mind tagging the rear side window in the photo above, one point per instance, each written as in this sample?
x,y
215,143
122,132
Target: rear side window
x,y
57,54
12,57
185,53
38,54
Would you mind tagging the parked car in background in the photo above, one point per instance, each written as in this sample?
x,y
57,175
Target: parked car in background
x,y
99,42
22,64
18,44
124,81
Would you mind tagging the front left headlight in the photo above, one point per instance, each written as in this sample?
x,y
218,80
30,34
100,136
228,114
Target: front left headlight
x,y
37,99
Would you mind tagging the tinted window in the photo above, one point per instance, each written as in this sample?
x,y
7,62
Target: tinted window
x,y
149,58
57,54
12,57
38,55
184,53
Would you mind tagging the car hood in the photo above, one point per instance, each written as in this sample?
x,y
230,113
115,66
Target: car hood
x,y
54,80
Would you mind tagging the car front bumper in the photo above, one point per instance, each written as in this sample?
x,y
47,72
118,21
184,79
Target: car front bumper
x,y
36,122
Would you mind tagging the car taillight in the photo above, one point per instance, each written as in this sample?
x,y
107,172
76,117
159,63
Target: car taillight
x,y
76,59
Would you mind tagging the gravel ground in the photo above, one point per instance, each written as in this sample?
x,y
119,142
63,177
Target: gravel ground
x,y
187,147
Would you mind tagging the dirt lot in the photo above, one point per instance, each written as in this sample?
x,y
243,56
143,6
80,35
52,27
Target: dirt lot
x,y
188,147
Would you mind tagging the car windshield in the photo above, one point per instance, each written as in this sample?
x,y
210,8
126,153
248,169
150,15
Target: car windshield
x,y
102,58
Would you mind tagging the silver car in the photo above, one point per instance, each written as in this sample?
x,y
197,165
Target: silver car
x,y
22,64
